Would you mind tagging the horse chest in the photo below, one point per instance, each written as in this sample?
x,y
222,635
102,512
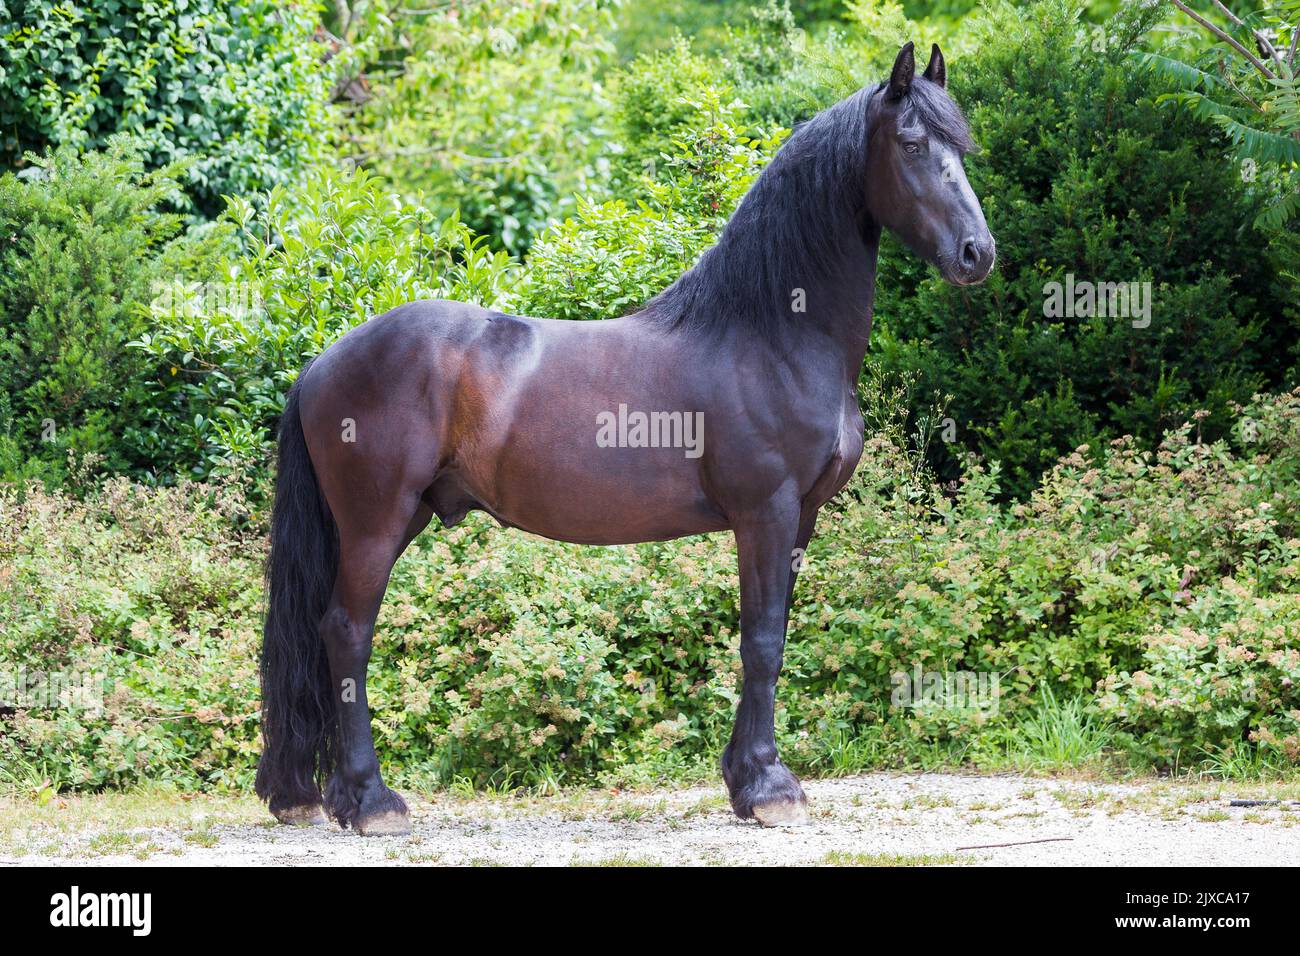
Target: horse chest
x,y
844,457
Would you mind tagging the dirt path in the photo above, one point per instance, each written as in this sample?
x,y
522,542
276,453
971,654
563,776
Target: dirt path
x,y
875,819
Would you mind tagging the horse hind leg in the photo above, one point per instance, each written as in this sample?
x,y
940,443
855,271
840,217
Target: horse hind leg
x,y
374,421
355,794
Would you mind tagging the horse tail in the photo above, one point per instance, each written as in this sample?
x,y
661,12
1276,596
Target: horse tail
x,y
299,717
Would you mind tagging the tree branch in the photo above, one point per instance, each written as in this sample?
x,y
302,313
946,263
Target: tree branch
x,y
1255,61
1259,35
1229,14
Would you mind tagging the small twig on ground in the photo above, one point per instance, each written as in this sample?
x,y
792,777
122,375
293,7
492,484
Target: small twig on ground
x,y
990,846
1263,803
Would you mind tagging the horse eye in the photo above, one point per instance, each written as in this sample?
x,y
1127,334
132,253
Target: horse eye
x,y
911,148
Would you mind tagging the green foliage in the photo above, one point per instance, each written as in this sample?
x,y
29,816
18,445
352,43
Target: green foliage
x,y
1205,678
235,87
1138,602
776,70
1257,105
1081,174
1059,733
658,100
151,621
493,110
649,25
318,261
612,257
785,73
83,248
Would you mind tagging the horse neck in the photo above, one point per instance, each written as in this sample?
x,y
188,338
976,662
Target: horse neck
x,y
817,279
841,304
798,258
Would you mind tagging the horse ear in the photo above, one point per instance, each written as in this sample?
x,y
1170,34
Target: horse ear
x,y
935,70
904,69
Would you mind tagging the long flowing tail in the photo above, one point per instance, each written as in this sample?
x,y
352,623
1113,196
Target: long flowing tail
x,y
299,716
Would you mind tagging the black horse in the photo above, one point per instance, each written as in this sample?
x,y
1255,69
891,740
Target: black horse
x,y
728,403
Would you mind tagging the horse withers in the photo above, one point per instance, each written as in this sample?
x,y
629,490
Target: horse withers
x,y
729,402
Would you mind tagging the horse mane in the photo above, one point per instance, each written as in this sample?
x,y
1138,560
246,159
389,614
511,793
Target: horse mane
x,y
804,216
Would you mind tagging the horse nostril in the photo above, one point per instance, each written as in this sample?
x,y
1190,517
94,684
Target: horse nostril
x,y
970,254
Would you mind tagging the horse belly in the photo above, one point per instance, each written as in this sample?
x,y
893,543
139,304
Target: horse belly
x,y
597,496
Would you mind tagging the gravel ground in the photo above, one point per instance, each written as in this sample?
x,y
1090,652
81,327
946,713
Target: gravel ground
x,y
874,819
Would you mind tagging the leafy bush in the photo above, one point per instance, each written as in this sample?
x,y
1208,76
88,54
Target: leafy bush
x,y
145,599
235,87
769,72
83,248
1255,101
611,258
658,100
317,261
493,110
1082,173
1223,674
1122,582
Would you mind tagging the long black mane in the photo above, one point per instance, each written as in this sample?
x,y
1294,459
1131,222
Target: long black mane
x,y
804,220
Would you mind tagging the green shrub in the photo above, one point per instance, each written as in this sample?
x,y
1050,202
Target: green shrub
x,y
317,261
1082,173
83,249
769,73
147,598
1152,594
785,73
1221,674
657,100
493,110
236,88
611,257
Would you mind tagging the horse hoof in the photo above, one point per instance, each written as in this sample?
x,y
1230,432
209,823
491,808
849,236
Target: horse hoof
x,y
307,815
787,813
387,823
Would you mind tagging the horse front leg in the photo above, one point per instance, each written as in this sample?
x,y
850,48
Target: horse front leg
x,y
760,785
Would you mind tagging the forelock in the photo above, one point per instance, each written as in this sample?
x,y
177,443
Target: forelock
x,y
929,105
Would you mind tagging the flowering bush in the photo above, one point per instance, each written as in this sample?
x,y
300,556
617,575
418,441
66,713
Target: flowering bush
x,y
1225,670
153,594
1160,588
